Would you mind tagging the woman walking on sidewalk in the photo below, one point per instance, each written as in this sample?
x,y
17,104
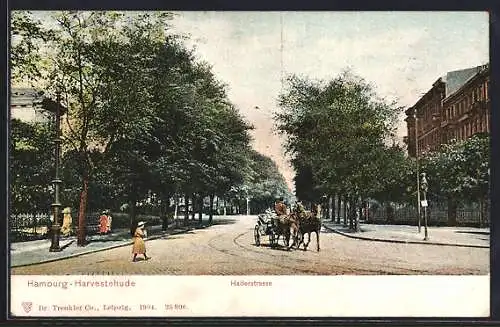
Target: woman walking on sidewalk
x,y
139,246
103,223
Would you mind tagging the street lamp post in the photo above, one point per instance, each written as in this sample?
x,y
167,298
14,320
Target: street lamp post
x,y
424,205
56,206
418,177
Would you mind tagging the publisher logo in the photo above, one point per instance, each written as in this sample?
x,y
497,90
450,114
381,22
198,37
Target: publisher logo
x,y
27,306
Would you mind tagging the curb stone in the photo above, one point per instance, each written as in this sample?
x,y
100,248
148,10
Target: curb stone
x,y
126,243
405,242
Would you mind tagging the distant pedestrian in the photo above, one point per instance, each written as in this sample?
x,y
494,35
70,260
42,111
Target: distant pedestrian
x,y
67,228
103,223
139,246
110,220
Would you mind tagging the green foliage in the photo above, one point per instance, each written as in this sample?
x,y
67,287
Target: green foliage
x,y
337,132
460,170
266,183
31,166
143,113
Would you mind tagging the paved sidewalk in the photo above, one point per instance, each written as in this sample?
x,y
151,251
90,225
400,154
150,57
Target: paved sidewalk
x,y
450,236
35,252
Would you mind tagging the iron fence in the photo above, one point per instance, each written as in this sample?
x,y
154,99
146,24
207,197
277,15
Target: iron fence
x,y
36,226
29,226
437,215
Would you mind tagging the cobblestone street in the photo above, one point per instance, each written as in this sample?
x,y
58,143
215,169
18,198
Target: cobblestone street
x,y
228,249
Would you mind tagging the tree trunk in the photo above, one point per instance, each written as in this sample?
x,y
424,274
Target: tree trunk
x,y
200,206
217,205
186,209
224,210
193,201
339,207
359,212
345,211
481,212
452,212
352,213
82,223
367,211
176,210
164,212
210,210
389,210
330,214
132,209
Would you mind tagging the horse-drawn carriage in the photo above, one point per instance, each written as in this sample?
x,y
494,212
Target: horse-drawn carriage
x,y
266,227
292,226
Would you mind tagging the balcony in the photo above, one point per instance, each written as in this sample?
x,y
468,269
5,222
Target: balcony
x,y
479,106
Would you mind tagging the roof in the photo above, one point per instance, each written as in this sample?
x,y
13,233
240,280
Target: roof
x,y
28,97
453,81
24,97
456,79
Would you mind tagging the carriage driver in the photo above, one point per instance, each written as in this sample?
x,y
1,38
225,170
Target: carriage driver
x,y
280,208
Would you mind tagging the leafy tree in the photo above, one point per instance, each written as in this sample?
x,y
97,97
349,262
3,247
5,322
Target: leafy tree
x,y
31,166
459,171
173,131
336,130
266,183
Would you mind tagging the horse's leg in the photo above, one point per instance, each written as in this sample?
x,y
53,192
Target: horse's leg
x,y
293,235
302,236
308,240
317,239
297,238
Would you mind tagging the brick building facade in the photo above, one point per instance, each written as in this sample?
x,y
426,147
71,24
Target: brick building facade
x,y
456,107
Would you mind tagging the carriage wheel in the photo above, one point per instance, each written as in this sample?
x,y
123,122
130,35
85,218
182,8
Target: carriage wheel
x,y
256,235
272,239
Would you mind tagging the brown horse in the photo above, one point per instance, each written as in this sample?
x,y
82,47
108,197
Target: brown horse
x,y
286,226
308,223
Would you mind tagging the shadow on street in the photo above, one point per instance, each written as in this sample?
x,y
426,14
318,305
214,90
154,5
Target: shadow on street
x,y
216,221
472,232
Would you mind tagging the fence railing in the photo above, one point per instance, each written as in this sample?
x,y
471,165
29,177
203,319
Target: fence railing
x,y
25,226
437,215
35,226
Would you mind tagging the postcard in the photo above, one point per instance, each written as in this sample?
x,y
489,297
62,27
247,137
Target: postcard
x,y
249,164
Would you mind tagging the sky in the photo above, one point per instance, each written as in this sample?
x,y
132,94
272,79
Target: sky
x,y
400,53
